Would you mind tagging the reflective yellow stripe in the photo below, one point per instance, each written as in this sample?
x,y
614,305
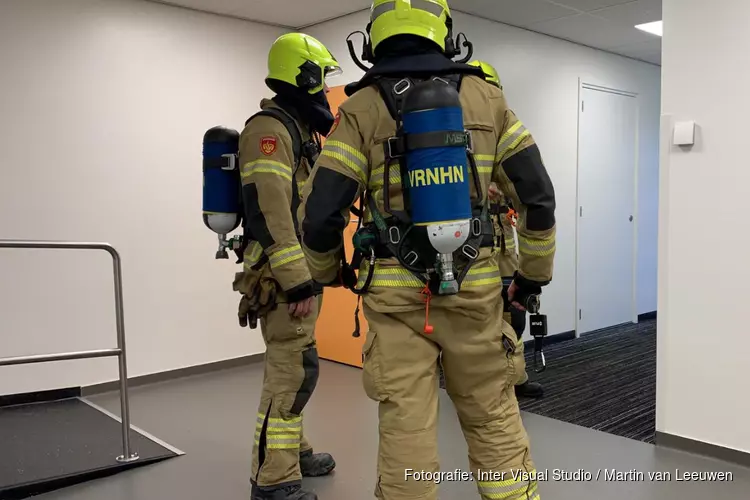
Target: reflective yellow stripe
x,y
347,155
284,427
398,277
320,262
518,491
482,276
267,167
280,445
485,163
510,243
281,434
280,421
389,277
286,255
253,254
535,247
509,133
376,177
510,141
510,489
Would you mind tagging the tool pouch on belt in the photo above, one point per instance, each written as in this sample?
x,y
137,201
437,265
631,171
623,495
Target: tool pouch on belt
x,y
259,291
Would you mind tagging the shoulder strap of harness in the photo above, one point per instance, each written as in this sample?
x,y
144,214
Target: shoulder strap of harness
x,y
299,150
394,232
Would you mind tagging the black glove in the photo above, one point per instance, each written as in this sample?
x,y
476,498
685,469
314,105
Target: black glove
x,y
248,314
348,276
527,293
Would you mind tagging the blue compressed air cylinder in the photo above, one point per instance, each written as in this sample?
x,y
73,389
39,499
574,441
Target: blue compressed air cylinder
x,y
438,176
222,187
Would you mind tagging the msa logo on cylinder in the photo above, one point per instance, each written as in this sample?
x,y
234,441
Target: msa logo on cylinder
x,y
436,176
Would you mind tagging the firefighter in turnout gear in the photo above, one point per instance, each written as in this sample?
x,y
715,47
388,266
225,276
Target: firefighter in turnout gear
x,y
504,219
420,300
278,147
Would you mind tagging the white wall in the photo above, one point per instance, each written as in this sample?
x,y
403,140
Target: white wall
x,y
540,75
703,335
103,106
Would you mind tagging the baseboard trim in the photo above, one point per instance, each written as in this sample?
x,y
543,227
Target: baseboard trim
x,y
551,340
39,397
173,374
647,316
666,440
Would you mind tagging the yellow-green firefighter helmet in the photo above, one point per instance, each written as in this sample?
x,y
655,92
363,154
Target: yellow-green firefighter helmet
x,y
423,18
490,73
302,61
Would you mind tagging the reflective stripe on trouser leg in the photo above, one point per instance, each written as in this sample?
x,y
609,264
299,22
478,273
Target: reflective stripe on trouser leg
x,y
481,388
400,372
291,373
520,485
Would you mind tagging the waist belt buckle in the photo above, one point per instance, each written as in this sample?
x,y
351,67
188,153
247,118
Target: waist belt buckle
x,y
470,252
231,161
414,258
392,148
401,86
476,227
394,235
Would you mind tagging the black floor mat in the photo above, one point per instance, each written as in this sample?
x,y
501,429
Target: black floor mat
x,y
605,380
48,446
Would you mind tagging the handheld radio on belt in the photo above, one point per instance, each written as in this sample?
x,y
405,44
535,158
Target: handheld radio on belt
x,y
538,327
539,332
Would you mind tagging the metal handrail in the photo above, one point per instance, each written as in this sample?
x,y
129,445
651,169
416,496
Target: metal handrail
x,y
120,351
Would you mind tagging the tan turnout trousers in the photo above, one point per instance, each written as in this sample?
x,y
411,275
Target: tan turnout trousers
x,y
401,374
289,379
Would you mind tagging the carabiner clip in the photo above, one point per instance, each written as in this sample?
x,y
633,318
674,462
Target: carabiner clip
x,y
537,356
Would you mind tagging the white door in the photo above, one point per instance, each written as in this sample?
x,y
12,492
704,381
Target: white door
x,y
606,208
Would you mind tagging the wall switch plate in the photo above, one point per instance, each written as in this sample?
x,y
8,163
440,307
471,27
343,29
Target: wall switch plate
x,y
684,133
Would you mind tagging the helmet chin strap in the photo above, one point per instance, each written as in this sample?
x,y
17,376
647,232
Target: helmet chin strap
x,y
366,51
453,48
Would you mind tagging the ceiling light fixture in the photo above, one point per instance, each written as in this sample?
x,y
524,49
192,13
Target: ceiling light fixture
x,y
654,28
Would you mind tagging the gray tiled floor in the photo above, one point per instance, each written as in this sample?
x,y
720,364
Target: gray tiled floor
x,y
211,418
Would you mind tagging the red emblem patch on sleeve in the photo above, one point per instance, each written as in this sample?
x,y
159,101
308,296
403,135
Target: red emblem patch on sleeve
x,y
268,145
335,124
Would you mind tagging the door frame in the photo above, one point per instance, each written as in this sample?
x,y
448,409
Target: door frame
x,y
587,85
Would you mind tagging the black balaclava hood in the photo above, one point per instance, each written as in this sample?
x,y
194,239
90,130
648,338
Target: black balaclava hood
x,y
312,109
401,45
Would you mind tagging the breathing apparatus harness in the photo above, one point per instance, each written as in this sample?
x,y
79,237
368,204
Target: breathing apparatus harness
x,y
393,234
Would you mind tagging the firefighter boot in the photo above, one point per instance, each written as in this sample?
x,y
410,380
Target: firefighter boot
x,y
315,464
289,492
529,390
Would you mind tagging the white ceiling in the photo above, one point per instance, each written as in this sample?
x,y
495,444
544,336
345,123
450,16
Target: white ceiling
x,y
602,24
